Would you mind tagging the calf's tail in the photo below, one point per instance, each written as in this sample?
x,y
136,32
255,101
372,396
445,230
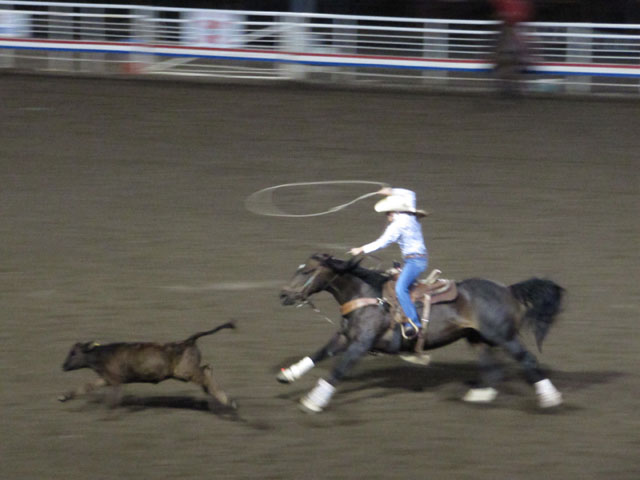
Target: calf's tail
x,y
543,300
196,336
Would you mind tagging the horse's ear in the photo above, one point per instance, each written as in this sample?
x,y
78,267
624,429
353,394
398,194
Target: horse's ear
x,y
331,262
337,265
321,257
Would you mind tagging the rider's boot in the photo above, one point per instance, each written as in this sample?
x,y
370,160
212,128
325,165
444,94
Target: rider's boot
x,y
419,356
408,328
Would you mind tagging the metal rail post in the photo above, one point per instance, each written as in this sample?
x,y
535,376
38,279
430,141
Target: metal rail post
x,y
579,50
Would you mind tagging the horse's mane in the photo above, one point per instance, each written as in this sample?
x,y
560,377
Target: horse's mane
x,y
375,278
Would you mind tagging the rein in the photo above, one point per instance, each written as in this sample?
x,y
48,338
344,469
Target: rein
x,y
315,309
306,300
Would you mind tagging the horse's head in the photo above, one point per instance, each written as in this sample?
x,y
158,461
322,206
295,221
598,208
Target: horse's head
x,y
313,276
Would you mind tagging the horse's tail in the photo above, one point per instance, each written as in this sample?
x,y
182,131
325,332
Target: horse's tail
x,y
542,299
196,336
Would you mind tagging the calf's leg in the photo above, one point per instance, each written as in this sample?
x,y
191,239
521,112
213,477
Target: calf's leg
x,y
203,376
205,379
114,396
89,387
189,370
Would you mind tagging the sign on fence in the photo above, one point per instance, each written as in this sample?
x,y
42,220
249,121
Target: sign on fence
x,y
14,24
212,29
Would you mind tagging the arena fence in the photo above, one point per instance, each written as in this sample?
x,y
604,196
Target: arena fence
x,y
125,39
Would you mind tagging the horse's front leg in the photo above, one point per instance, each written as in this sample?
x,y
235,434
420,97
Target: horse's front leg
x,y
319,397
336,345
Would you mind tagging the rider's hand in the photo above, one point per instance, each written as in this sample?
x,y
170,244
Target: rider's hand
x,y
355,251
386,191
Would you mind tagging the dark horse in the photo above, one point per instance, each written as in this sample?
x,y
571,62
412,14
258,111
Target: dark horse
x,y
484,313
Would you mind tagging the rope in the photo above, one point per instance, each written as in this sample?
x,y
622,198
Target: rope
x,y
255,203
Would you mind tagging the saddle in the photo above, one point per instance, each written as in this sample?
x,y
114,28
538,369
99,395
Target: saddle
x,y
428,291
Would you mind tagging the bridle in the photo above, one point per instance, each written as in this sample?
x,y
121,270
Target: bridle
x,y
345,308
304,296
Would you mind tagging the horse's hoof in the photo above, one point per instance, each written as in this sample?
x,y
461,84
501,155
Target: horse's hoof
x,y
308,406
318,398
481,395
417,359
63,398
550,399
548,395
285,376
295,371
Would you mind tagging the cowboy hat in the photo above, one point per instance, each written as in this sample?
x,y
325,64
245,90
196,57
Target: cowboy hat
x,y
397,203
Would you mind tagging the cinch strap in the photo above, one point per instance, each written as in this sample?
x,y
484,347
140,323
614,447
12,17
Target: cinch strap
x,y
347,308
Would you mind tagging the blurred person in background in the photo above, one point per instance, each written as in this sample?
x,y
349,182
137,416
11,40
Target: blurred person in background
x,y
511,56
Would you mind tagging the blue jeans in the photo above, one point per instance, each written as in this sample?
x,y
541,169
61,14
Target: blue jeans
x,y
412,269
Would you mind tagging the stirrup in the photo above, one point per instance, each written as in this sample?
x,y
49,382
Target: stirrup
x,y
416,329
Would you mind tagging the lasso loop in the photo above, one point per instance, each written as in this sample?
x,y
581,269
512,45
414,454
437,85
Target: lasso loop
x,y
253,204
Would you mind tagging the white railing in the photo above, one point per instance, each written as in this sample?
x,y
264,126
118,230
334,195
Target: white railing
x,y
125,39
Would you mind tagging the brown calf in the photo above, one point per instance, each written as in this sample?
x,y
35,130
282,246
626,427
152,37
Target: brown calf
x,y
118,363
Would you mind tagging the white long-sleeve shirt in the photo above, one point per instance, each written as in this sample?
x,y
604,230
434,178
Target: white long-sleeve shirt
x,y
404,229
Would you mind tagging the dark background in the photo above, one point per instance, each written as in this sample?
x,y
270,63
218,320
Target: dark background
x,y
597,11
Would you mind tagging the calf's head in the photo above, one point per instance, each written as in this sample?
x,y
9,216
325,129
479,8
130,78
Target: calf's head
x,y
77,356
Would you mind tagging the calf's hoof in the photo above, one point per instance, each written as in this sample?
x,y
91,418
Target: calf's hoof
x,y
216,405
64,397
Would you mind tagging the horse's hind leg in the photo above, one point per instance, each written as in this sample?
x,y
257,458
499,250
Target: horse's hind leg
x,y
336,345
490,376
548,395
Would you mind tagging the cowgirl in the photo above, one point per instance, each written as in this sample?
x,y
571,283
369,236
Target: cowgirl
x,y
405,230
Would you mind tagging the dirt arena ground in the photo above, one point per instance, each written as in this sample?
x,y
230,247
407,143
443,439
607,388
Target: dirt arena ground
x,y
123,219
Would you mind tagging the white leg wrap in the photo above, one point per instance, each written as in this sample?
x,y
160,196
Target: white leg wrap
x,y
295,371
548,395
481,395
317,399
